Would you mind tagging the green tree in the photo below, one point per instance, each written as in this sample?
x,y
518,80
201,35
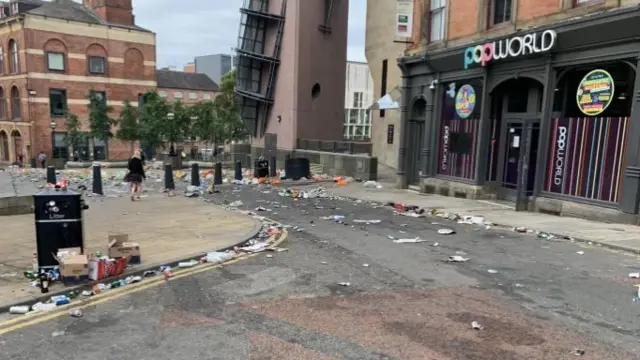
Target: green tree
x,y
228,112
75,136
178,129
128,127
206,127
153,118
100,123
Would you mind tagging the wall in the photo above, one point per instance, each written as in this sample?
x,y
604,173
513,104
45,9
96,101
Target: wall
x,y
358,80
188,96
215,66
380,45
130,70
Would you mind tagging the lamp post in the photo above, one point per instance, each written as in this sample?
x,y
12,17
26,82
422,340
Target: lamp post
x,y
193,119
53,126
170,117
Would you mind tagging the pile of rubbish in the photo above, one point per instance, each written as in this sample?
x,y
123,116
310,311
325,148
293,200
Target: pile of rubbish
x,y
317,193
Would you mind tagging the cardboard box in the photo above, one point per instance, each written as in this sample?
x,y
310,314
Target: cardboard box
x,y
74,267
100,269
120,247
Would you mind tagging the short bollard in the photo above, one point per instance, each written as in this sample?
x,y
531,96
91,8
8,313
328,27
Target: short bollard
x,y
195,174
217,175
97,180
168,177
33,163
51,175
238,170
272,166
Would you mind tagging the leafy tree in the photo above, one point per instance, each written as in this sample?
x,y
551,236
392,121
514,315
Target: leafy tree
x,y
206,127
129,129
177,129
100,123
75,136
228,112
153,118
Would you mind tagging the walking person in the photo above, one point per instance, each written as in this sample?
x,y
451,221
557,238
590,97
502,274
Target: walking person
x,y
136,174
42,158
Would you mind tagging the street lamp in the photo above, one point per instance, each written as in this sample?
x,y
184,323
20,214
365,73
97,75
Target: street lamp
x,y
53,126
172,150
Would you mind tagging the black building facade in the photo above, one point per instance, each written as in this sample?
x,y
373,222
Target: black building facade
x,y
546,113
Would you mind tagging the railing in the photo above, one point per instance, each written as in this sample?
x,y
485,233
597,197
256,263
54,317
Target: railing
x,y
345,147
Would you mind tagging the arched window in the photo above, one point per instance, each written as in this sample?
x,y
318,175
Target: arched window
x,y
15,103
1,60
3,104
13,63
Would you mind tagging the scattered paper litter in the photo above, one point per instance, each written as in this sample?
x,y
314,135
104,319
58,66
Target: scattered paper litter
x,y
365,265
457,258
409,241
476,326
580,252
368,222
344,283
491,271
635,275
446,231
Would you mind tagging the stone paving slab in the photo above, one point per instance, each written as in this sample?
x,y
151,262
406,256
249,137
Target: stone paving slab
x,y
15,196
617,236
167,228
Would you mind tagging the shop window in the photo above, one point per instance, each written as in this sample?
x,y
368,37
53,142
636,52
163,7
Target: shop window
x,y
55,61
97,65
500,11
437,20
57,102
60,146
459,125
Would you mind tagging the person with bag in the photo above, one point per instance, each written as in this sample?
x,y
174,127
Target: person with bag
x,y
136,175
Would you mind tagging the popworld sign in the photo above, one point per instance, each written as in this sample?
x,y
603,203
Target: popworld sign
x,y
512,47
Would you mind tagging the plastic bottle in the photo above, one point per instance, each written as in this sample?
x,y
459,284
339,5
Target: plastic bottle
x,y
19,310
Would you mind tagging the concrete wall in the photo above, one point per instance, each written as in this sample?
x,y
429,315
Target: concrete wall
x,y
380,45
215,66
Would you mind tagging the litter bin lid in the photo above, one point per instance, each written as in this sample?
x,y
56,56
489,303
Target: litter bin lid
x,y
56,192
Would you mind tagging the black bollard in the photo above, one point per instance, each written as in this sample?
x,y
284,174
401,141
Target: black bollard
x,y
51,175
195,174
238,170
217,175
97,180
168,177
272,166
33,163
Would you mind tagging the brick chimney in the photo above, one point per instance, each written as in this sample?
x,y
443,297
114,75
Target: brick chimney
x,y
112,11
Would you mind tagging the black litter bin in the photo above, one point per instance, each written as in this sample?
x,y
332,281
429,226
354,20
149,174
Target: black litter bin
x,y
261,169
297,168
58,220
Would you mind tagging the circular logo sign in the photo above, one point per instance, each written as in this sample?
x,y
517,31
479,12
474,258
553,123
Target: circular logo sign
x,y
595,92
465,101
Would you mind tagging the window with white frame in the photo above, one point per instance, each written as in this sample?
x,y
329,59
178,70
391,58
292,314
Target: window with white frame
x,y
163,93
436,20
193,96
357,99
357,124
206,96
177,95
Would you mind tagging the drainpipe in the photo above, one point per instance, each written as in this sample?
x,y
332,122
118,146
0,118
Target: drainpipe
x,y
401,180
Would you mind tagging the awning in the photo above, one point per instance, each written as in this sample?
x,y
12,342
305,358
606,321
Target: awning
x,y
391,100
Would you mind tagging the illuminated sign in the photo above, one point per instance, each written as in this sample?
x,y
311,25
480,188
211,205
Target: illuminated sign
x,y
534,43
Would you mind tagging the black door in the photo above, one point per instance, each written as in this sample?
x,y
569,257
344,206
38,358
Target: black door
x,y
414,165
520,150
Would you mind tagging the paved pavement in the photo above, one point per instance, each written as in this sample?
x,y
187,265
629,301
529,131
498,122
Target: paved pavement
x,y
167,228
619,236
542,299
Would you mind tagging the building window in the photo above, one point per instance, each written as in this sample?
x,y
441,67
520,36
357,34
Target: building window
x,y
97,64
1,60
177,95
13,64
383,82
162,93
193,96
436,20
500,11
100,95
55,61
357,100
60,146
15,103
58,102
206,96
3,104
14,8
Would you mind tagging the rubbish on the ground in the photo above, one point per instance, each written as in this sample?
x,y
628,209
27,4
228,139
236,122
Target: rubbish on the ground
x,y
371,184
435,244
269,256
149,273
192,191
6,275
187,264
446,231
519,285
236,204
409,241
344,283
410,214
217,257
255,248
580,252
87,293
365,265
635,275
167,272
260,208
77,313
476,326
367,222
491,271
133,279
324,263
121,247
58,333
520,229
457,258
334,218
472,220
544,235
578,352
73,264
39,306
18,310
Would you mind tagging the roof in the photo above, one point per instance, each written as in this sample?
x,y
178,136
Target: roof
x,y
171,79
71,10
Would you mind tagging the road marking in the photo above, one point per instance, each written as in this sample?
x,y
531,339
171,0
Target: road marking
x,y
25,321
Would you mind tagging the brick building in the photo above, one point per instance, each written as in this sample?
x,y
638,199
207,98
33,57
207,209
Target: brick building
x,y
187,87
52,54
526,101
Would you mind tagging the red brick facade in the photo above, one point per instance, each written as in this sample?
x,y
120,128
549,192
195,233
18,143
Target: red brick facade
x,y
188,97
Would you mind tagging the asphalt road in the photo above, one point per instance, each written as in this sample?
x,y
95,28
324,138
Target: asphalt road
x,y
403,302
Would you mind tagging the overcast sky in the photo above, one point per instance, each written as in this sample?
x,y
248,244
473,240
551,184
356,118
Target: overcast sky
x,y
200,27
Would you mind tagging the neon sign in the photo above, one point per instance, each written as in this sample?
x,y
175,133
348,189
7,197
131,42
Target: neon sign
x,y
534,43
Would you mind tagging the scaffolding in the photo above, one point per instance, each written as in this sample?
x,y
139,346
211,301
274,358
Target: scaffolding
x,y
257,63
